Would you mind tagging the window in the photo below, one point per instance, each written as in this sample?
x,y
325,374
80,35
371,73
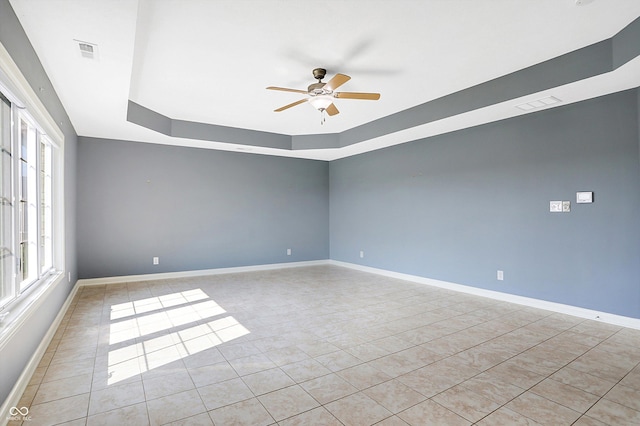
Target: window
x,y
30,197
6,203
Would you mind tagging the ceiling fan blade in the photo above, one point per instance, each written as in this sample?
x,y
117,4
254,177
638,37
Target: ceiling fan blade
x,y
332,110
357,95
337,81
284,89
290,105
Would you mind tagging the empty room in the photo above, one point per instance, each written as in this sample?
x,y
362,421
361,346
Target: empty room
x,y
350,212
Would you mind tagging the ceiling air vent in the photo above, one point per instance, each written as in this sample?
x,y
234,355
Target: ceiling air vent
x,y
87,50
549,100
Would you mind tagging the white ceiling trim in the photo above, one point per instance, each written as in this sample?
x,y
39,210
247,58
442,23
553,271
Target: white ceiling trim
x,y
210,62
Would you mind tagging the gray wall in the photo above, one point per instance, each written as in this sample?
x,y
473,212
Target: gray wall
x,y
460,206
195,209
18,351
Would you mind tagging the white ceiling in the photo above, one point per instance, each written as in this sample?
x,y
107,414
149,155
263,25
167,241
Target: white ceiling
x,y
210,60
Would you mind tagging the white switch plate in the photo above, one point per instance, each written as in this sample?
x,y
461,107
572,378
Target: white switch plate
x,y
361,254
500,276
156,260
288,252
555,206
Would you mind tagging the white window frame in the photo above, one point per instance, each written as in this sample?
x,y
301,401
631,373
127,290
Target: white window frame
x,y
24,102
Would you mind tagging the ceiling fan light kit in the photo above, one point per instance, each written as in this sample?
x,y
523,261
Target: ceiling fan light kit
x,y
321,95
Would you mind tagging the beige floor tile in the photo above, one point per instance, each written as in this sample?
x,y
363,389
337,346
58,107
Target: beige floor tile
x,y
542,362
251,364
358,409
63,388
616,355
244,413
632,379
267,381
566,395
484,356
73,354
432,413
201,419
583,381
316,417
59,410
26,400
363,376
427,382
224,393
132,414
624,395
394,395
364,330
304,370
206,357
317,348
116,397
392,344
611,373
511,373
597,329
492,388
612,413
210,374
287,402
339,360
175,407
367,352
466,403
157,387
38,375
505,417
392,421
328,388
287,355
542,410
588,421
65,370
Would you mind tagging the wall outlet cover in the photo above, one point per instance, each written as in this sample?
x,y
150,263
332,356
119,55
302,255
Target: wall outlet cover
x,y
566,206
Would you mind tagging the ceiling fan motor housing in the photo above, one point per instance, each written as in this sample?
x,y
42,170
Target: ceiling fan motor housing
x,y
319,73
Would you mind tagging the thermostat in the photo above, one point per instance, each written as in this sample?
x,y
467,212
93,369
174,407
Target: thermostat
x,y
584,197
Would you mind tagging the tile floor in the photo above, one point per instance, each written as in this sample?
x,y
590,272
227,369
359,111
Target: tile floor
x,y
327,345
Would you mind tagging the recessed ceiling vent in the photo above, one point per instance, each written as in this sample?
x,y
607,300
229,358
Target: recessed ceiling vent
x,y
549,100
87,50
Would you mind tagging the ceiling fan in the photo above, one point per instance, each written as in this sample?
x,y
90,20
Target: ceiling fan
x,y
320,95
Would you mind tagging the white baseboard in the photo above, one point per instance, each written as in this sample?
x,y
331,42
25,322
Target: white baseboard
x,y
198,273
505,297
13,399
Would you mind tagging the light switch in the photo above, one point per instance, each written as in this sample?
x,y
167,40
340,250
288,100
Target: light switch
x,y
555,206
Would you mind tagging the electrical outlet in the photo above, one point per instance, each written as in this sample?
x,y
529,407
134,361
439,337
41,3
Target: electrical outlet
x,y
500,275
361,254
566,206
288,252
156,260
